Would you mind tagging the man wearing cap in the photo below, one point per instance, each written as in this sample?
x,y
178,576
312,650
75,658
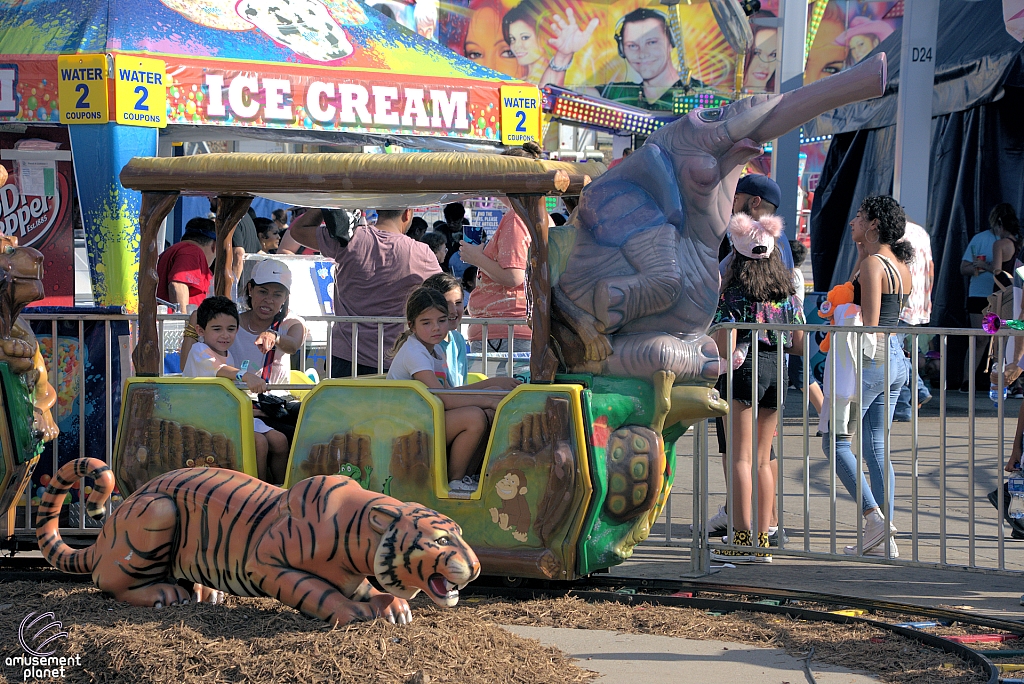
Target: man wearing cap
x,y
756,196
183,270
376,268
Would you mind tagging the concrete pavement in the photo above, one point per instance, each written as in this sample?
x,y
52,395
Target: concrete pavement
x,y
628,658
944,473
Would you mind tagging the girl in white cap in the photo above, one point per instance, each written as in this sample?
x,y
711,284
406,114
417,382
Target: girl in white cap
x,y
757,288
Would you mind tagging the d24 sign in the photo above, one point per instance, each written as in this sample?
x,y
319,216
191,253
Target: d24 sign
x,y
140,91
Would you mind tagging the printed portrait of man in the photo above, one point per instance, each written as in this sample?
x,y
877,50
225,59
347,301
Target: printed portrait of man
x,y
644,40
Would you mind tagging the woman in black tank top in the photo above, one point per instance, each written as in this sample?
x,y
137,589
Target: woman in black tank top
x,y
881,284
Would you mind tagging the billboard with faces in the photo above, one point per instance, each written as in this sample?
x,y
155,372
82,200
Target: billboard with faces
x,y
627,50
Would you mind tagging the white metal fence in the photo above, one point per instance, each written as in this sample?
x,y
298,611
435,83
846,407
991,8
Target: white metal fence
x,y
945,467
71,353
946,462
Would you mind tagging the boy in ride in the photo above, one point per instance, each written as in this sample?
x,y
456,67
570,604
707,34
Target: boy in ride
x,y
217,325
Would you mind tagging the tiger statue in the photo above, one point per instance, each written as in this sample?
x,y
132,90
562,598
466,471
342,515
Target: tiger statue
x,y
218,530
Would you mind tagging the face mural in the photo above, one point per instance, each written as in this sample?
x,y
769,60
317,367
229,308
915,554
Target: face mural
x,y
590,40
485,44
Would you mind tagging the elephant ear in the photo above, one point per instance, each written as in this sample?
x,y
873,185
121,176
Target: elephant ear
x,y
383,516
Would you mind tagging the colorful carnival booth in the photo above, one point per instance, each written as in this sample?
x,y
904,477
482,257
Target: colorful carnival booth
x,y
100,79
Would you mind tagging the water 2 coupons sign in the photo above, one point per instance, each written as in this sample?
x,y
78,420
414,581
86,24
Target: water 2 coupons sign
x,y
520,114
140,91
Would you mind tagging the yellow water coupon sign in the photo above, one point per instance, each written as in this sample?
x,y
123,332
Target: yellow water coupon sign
x,y
140,93
520,114
82,89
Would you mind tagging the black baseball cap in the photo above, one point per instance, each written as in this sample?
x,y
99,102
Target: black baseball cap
x,y
756,185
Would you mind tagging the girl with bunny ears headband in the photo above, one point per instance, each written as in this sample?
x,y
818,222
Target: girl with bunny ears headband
x,y
757,267
758,288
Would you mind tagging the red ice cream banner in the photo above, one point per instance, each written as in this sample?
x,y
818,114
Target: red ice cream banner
x,y
218,93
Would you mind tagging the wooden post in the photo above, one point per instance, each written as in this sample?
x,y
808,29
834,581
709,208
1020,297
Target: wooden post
x,y
533,210
230,210
155,207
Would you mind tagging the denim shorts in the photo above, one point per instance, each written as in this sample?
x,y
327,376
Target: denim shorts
x,y
767,380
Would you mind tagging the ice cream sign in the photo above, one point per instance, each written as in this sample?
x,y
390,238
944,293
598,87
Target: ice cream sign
x,y
249,96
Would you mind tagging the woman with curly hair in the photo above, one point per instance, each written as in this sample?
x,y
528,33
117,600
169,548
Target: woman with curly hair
x,y
881,284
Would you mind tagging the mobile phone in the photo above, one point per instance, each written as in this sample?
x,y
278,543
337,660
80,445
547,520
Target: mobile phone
x,y
472,234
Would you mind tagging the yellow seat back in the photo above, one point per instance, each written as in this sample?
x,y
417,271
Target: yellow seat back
x,y
475,377
297,377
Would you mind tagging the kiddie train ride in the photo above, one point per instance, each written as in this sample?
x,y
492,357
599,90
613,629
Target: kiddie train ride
x,y
581,459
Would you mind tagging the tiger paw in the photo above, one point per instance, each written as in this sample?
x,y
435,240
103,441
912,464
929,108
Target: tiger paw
x,y
201,594
393,609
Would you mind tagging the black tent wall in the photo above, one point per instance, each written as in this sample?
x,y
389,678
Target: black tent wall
x,y
977,162
977,153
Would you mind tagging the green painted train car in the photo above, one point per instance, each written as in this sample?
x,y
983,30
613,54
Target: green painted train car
x,y
573,477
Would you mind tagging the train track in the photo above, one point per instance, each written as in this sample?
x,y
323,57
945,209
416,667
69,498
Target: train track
x,y
634,591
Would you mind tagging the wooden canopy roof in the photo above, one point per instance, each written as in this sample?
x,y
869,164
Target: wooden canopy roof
x,y
339,174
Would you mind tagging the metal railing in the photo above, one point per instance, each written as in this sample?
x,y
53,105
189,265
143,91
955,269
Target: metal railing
x,y
57,378
169,333
171,339
943,465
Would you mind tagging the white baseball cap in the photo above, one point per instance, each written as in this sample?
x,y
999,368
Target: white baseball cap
x,y
272,271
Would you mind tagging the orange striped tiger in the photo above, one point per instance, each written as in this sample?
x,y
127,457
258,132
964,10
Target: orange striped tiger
x,y
311,547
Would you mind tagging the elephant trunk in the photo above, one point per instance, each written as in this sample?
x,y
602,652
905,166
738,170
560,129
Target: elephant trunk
x,y
780,115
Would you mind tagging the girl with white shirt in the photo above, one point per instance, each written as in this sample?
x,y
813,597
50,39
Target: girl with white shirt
x,y
417,355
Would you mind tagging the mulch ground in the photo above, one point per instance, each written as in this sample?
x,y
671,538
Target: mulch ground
x,y
261,640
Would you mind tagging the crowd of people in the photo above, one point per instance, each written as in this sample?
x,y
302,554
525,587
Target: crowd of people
x,y
387,263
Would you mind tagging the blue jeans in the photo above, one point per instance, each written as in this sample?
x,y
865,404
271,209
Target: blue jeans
x,y
873,422
903,403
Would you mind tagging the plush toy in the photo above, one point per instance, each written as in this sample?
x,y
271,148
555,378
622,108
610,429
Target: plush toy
x,y
838,295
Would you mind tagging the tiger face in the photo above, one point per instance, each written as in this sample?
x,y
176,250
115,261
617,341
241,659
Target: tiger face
x,y
420,549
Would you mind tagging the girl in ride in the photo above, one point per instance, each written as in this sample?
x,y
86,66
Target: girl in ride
x,y
454,344
417,355
881,284
268,333
757,288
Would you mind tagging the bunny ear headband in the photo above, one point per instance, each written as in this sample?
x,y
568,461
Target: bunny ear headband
x,y
754,239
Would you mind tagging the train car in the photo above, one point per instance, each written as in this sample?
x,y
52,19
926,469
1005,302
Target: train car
x,y
577,467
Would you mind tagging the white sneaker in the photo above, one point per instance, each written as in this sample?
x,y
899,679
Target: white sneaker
x,y
470,483
878,551
876,529
719,522
460,486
